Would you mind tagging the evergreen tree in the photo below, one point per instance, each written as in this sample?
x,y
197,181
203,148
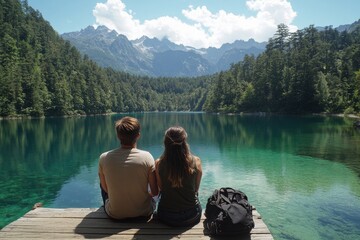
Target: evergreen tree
x,y
9,61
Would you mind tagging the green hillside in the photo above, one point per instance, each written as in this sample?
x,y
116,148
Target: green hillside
x,y
308,71
43,75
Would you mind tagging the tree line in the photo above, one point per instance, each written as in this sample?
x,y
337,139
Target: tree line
x,y
308,71
41,74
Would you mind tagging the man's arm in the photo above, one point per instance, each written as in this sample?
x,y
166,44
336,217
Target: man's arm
x,y
158,180
154,191
102,180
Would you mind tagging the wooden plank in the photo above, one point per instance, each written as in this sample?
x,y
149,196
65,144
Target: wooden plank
x,y
90,220
15,235
91,225
80,223
67,213
37,219
82,212
114,230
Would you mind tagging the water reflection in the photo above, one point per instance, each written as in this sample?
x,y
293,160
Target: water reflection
x,y
290,167
328,138
38,156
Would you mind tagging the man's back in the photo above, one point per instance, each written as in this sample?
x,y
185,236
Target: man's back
x,y
126,172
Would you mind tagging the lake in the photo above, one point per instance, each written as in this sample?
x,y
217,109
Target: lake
x,y
301,172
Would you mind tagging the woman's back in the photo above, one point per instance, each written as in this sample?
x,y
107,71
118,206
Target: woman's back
x,y
178,198
178,175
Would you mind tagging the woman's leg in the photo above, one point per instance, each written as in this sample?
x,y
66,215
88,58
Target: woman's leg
x,y
185,218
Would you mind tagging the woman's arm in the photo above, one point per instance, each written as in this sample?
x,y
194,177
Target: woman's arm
x,y
199,173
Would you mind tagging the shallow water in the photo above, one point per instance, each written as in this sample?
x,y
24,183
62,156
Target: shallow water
x,y
302,173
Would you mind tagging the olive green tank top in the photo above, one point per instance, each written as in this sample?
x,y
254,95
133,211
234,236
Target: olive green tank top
x,y
178,198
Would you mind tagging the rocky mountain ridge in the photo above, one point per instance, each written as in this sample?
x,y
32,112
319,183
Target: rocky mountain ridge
x,y
154,57
161,57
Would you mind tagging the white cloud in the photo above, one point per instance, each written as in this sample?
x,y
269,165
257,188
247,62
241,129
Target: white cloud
x,y
113,15
207,28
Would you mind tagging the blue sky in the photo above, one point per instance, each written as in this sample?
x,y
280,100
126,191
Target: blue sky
x,y
197,23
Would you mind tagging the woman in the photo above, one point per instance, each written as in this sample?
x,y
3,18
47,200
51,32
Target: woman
x,y
178,175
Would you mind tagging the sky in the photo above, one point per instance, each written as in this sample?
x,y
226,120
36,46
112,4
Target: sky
x,y
201,23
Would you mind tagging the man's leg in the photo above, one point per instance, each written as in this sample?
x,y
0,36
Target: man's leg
x,y
104,195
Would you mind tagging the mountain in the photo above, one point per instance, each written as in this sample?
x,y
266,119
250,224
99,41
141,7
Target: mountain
x,y
110,49
180,64
154,57
214,55
346,27
155,45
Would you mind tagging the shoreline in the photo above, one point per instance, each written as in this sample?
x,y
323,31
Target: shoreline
x,y
353,116
21,117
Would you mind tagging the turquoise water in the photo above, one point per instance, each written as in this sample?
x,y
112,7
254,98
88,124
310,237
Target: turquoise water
x,y
302,173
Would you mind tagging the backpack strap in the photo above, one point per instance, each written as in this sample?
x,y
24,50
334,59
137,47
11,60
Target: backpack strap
x,y
223,195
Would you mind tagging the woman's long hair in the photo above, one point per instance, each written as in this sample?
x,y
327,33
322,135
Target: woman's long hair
x,y
176,159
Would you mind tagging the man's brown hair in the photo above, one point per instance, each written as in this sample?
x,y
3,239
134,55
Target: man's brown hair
x,y
127,129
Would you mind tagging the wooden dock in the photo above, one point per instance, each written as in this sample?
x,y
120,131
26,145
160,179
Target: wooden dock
x,y
80,223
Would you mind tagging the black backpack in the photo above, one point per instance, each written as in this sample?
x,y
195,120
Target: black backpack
x,y
228,212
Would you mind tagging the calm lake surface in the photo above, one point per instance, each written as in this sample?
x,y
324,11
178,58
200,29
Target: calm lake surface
x,y
302,173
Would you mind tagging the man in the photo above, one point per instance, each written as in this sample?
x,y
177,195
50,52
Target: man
x,y
125,174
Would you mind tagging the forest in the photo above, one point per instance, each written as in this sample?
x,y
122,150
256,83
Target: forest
x,y
308,71
41,74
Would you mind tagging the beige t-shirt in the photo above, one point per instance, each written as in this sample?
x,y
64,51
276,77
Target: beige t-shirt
x,y
126,174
